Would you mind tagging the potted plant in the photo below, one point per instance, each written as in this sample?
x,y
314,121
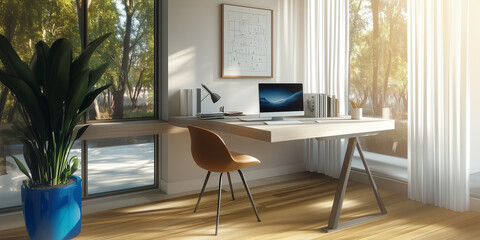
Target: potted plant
x,y
53,92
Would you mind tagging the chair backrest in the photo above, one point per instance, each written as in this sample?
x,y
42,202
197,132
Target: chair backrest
x,y
208,149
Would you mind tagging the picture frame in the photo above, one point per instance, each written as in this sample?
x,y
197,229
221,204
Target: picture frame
x,y
247,42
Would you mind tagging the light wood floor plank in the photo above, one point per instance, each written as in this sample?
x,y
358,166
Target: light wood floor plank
x,y
294,208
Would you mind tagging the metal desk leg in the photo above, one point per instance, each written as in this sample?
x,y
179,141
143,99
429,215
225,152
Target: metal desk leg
x,y
342,187
383,210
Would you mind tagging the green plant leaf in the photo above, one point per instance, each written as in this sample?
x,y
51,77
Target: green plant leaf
x,y
65,175
81,131
22,132
39,63
58,66
74,167
35,163
13,63
25,95
91,96
21,167
77,92
96,74
82,61
59,59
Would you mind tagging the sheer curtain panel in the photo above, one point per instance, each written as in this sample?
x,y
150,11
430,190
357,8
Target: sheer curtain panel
x,y
438,135
326,71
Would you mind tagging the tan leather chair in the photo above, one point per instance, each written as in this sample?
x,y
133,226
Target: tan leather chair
x,y
210,153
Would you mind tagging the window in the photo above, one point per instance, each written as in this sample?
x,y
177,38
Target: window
x,y
130,51
378,69
120,164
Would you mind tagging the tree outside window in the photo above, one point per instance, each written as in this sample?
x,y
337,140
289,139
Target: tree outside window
x,y
378,68
129,50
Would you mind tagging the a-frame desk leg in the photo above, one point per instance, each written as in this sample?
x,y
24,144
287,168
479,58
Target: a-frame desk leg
x,y
342,187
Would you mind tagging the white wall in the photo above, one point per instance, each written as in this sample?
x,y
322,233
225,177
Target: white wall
x,y
474,73
194,51
194,58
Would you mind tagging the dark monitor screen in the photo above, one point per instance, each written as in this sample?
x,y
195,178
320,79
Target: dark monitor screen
x,y
280,99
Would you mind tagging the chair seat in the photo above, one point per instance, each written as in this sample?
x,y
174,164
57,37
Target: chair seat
x,y
239,161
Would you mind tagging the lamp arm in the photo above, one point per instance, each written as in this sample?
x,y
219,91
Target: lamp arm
x,y
215,97
204,97
208,90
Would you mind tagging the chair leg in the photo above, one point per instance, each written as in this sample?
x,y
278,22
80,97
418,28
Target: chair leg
x,y
218,201
203,189
231,187
249,195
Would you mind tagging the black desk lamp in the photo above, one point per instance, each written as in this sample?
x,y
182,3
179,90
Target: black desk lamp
x,y
215,97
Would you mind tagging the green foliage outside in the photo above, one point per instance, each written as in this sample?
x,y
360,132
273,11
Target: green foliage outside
x,y
129,51
378,67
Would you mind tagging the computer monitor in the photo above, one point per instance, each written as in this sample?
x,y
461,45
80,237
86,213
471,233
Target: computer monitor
x,y
278,100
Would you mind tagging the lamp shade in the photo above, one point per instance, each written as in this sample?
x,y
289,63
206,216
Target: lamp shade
x,y
215,97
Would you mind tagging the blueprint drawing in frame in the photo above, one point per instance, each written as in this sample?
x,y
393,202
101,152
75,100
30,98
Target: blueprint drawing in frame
x,y
247,42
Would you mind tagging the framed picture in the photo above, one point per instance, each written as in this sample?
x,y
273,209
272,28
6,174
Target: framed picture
x,y
247,49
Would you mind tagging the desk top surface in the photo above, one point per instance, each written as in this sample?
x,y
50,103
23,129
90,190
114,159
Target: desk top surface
x,y
327,128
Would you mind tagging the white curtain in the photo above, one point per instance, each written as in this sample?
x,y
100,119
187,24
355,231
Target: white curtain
x,y
326,71
438,135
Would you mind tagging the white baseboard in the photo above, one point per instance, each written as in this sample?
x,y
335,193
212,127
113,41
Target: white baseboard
x,y
11,220
382,182
474,204
398,186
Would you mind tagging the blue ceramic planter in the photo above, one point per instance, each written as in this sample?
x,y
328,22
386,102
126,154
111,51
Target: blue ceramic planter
x,y
53,213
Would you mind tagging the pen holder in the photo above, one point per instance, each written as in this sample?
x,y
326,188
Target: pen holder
x,y
356,113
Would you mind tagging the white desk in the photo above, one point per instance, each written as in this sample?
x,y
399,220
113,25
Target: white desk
x,y
331,128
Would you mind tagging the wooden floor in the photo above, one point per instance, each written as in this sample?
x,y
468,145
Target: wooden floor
x,y
296,208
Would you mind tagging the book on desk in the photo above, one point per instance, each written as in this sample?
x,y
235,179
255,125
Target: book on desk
x,y
212,115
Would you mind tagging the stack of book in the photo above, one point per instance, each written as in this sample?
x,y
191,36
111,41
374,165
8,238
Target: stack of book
x,y
188,102
320,105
